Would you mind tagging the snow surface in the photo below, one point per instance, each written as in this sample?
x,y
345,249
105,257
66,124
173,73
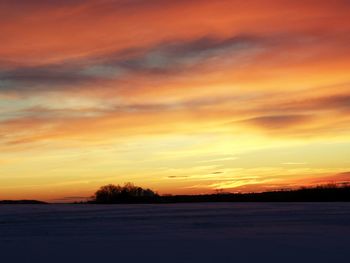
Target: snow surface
x,y
206,232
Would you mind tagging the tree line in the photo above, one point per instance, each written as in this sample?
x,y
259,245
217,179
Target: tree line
x,y
129,193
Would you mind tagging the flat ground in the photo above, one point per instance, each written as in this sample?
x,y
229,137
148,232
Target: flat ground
x,y
206,232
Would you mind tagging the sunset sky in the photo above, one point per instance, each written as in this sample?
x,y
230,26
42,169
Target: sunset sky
x,y
183,97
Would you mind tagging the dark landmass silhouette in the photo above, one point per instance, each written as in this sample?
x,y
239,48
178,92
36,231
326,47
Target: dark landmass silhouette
x,y
129,194
25,202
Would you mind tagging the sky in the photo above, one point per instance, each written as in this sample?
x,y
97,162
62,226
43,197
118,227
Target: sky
x,y
184,97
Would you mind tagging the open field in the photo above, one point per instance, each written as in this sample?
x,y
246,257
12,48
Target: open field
x,y
205,232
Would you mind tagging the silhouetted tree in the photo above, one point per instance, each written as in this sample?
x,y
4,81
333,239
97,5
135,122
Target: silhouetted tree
x,y
117,194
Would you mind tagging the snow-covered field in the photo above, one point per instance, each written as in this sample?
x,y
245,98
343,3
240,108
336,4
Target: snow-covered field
x,y
215,232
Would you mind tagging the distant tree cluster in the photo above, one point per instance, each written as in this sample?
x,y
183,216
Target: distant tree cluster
x,y
129,193
109,194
